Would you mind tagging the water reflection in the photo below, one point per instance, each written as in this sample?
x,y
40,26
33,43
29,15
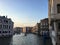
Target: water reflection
x,y
30,39
6,41
21,39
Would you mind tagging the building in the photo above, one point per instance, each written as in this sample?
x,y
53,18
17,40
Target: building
x,y
44,26
36,28
54,20
18,30
6,26
27,29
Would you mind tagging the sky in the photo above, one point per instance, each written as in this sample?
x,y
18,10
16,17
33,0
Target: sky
x,y
24,12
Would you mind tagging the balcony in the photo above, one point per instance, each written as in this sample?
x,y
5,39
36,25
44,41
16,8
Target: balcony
x,y
55,16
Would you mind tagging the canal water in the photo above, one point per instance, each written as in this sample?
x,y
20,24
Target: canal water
x,y
21,39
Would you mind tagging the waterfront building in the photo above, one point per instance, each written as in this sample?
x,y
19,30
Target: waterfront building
x,y
27,29
18,30
6,26
44,26
54,20
36,28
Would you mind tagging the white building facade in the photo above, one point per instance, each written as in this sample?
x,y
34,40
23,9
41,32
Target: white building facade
x,y
54,20
6,26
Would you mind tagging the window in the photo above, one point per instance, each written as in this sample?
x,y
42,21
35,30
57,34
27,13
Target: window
x,y
41,24
0,26
0,20
44,24
52,26
58,8
9,31
5,21
5,26
59,38
4,31
0,31
9,27
58,25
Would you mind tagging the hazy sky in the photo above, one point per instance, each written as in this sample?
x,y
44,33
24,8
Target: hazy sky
x,y
24,12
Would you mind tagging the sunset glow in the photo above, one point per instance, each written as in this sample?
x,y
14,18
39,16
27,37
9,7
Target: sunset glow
x,y
24,12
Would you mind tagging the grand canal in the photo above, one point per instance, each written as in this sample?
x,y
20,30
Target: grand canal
x,y
21,39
